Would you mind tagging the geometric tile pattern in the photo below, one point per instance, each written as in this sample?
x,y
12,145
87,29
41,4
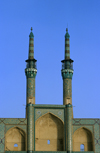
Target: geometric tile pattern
x,y
67,88
2,136
57,112
6,124
93,125
30,87
30,127
49,152
68,128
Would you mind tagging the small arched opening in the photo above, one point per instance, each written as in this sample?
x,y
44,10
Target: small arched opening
x,y
82,140
82,147
15,139
48,141
15,147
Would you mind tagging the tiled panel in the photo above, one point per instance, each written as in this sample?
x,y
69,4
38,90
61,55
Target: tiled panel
x,y
75,127
67,88
30,87
2,137
57,112
83,121
93,125
23,127
15,152
13,120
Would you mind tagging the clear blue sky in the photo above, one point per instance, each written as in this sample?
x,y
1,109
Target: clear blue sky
x,y
49,19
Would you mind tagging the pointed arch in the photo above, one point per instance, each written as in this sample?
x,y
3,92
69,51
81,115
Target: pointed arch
x,y
49,128
51,114
83,136
15,135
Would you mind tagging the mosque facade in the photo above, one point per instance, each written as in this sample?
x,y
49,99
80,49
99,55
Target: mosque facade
x,y
49,128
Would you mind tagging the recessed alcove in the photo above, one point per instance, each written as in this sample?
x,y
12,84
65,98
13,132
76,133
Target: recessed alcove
x,y
49,133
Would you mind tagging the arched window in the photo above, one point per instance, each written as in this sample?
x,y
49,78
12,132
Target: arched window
x,y
82,147
48,141
15,145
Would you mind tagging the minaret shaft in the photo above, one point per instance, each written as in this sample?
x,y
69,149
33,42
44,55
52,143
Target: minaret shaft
x,y
67,91
30,72
67,49
31,90
31,48
67,73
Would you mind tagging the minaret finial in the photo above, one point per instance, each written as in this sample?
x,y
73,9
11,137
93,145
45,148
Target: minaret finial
x,y
31,29
66,29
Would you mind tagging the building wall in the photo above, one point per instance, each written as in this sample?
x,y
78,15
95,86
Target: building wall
x,y
7,124
85,131
93,126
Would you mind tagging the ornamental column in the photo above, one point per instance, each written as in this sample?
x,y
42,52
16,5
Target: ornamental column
x,y
67,73
30,72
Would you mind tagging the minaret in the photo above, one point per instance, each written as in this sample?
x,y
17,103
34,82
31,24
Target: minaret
x,y
67,73
30,72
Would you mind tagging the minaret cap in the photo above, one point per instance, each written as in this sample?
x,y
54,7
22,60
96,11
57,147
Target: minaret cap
x,y
31,33
67,34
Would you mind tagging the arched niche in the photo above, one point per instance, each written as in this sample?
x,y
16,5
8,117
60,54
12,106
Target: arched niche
x,y
82,136
49,133
15,139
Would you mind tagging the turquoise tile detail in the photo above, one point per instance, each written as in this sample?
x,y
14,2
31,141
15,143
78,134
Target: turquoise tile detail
x,y
2,137
57,112
23,127
79,121
76,127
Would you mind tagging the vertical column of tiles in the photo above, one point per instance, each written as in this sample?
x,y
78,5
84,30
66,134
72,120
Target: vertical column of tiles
x,y
69,128
67,49
30,128
31,90
67,91
96,137
31,48
2,137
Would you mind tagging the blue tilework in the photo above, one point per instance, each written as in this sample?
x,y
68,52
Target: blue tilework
x,y
23,127
35,152
15,152
31,87
69,141
94,126
67,88
58,112
2,136
15,121
80,121
30,128
75,127
83,152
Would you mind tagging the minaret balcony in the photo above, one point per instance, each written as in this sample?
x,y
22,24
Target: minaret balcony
x,y
31,63
67,64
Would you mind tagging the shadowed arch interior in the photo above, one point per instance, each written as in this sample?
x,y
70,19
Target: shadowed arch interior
x,y
15,140
82,136
49,127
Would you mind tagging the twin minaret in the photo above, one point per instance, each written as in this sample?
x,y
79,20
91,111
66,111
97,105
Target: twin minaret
x,y
67,73
31,71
